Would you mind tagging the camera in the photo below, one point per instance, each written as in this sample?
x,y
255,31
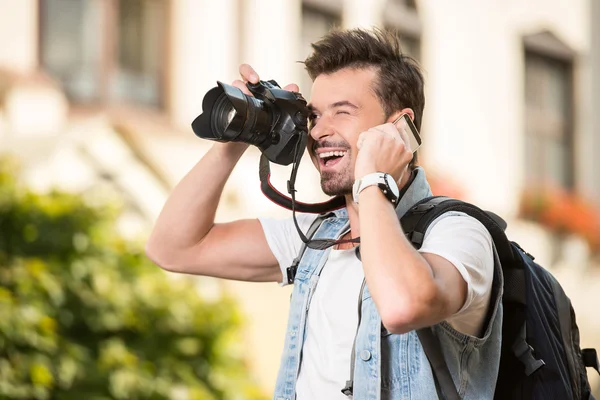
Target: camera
x,y
274,120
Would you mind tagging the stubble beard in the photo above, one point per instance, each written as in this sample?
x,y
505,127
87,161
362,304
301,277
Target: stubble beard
x,y
337,183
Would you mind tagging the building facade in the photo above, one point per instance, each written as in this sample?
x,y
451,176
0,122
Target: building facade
x,y
102,93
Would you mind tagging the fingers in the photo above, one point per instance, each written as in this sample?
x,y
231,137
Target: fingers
x,y
242,86
374,134
360,140
396,132
248,73
292,87
403,131
387,133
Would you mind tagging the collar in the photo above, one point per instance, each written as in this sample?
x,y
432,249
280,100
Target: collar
x,y
415,190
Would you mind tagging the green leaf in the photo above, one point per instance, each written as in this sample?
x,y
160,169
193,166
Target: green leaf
x,y
85,315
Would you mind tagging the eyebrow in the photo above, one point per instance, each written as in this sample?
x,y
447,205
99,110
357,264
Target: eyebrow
x,y
343,103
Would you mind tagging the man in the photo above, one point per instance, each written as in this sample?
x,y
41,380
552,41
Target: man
x,y
361,84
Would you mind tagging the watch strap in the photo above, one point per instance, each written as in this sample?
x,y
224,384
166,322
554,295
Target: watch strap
x,y
380,179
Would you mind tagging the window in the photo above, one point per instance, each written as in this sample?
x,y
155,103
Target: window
x,y
548,116
71,45
315,24
105,51
139,64
402,16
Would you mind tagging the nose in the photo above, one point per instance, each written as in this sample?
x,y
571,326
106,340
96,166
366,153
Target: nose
x,y
322,129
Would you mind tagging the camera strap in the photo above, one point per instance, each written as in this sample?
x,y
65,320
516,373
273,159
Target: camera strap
x,y
290,202
286,202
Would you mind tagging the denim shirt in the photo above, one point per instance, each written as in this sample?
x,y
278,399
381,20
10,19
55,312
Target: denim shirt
x,y
393,366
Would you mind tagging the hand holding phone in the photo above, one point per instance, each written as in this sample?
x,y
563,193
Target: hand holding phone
x,y
379,149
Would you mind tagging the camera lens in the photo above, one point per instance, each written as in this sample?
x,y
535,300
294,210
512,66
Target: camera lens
x,y
231,115
223,114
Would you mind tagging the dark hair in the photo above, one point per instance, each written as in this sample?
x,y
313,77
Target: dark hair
x,y
400,81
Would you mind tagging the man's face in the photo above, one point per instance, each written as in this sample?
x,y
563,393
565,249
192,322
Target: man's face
x,y
343,105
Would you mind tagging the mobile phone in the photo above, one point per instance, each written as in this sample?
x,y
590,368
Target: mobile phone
x,y
413,135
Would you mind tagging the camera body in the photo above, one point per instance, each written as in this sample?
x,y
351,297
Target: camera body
x,y
274,120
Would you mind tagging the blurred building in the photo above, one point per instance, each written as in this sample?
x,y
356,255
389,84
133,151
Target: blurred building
x,y
100,94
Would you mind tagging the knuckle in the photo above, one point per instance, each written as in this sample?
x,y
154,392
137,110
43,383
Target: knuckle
x,y
242,86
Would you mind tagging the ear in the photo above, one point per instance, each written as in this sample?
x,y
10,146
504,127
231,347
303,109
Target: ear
x,y
397,114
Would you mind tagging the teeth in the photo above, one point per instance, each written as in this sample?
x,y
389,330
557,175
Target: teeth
x,y
332,154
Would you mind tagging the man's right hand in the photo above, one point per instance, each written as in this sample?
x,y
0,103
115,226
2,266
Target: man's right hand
x,y
186,238
248,74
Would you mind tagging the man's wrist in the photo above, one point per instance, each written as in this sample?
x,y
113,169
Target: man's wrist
x,y
362,174
230,150
371,192
384,182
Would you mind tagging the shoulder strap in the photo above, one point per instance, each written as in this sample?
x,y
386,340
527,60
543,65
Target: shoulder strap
x,y
563,308
292,269
444,384
416,221
590,359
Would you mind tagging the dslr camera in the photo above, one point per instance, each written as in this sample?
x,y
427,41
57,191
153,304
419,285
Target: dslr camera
x,y
274,120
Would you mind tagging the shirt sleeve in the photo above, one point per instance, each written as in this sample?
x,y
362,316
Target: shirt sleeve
x,y
283,239
467,244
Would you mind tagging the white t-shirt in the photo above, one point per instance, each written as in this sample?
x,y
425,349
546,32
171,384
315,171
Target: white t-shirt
x,y
333,315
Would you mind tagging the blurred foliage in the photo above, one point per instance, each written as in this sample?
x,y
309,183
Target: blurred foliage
x,y
84,314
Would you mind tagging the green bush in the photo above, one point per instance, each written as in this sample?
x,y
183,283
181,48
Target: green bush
x,y
85,315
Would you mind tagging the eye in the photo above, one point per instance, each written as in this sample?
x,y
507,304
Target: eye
x,y
342,112
312,119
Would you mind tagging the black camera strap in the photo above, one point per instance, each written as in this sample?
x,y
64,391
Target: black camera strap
x,y
286,202
293,205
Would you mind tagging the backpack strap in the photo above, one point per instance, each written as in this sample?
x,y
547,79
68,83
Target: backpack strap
x,y
416,221
524,352
444,385
563,307
292,269
590,359
566,320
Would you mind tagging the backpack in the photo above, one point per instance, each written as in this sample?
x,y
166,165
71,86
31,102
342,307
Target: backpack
x,y
540,355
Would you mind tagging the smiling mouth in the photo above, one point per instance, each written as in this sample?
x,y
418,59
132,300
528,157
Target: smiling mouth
x,y
330,158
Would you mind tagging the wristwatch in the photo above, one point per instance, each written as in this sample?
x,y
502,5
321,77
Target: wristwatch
x,y
384,181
